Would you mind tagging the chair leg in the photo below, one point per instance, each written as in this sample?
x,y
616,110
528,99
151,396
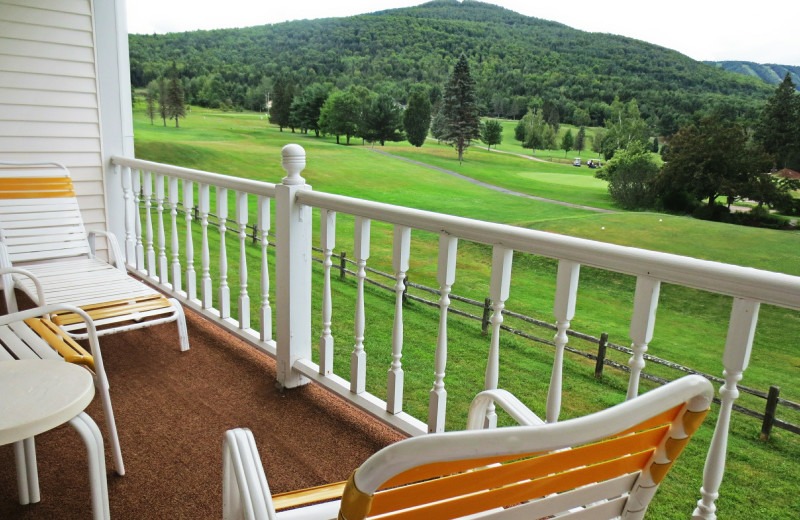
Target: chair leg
x,y
27,471
105,398
93,440
183,332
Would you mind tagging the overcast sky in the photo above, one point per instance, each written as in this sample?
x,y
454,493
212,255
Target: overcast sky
x,y
765,31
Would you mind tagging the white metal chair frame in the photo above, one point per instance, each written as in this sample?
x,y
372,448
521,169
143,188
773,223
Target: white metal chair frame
x,y
19,341
46,235
670,413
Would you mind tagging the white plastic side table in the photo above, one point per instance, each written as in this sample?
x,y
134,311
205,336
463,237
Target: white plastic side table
x,y
39,395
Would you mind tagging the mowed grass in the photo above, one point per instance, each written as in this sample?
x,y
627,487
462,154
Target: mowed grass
x,y
690,328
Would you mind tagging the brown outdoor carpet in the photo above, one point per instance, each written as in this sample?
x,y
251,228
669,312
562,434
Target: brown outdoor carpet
x,y
172,409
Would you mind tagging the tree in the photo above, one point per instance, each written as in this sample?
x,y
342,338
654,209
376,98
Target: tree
x,y
580,140
625,126
417,118
282,99
151,97
567,141
597,141
175,103
710,160
162,99
383,120
534,132
492,133
340,115
460,109
655,145
778,128
630,174
305,109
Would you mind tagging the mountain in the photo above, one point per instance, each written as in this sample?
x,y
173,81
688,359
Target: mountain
x,y
517,61
771,73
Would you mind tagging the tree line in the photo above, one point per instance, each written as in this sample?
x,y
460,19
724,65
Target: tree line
x,y
518,62
711,162
451,114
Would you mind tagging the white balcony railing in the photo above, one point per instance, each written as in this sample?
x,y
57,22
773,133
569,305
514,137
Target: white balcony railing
x,y
149,257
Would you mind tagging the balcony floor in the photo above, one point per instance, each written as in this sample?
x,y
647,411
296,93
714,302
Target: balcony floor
x,y
172,409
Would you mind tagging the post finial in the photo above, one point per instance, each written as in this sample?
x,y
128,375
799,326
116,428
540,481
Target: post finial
x,y
293,160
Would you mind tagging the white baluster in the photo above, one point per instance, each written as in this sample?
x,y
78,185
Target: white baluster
x,y
498,293
738,346
162,239
564,311
327,232
136,186
148,205
244,298
645,301
188,206
203,194
175,247
446,276
358,358
130,244
224,290
266,311
401,253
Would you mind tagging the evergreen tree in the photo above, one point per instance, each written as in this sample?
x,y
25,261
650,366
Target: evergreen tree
x,y
417,118
567,141
655,145
383,120
162,99
492,133
151,98
460,109
175,98
282,99
778,128
580,140
305,109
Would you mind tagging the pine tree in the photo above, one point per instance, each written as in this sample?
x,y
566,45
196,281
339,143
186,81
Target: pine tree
x,y
460,109
417,118
778,127
282,98
175,107
580,140
162,99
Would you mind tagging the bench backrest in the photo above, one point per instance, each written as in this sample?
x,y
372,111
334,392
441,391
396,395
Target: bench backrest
x,y
603,466
39,214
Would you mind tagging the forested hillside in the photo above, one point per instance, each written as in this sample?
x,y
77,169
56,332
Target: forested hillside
x,y
517,61
770,73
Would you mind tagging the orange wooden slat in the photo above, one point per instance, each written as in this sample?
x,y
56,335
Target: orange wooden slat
x,y
36,187
308,496
525,491
506,474
61,342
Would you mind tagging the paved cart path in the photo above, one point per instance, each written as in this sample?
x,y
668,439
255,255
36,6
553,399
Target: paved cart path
x,y
492,186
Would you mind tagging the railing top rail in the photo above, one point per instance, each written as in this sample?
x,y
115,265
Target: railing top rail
x,y
743,282
261,188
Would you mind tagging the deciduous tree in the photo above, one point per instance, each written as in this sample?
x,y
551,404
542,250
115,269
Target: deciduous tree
x,y
630,174
282,99
492,133
383,120
340,115
625,126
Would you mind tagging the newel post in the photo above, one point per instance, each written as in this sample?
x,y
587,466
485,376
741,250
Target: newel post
x,y
292,269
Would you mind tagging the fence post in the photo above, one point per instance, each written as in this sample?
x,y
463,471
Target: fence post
x,y
769,412
405,289
601,355
487,304
342,264
254,236
292,270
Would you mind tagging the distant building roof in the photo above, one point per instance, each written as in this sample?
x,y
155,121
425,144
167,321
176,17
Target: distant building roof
x,y
786,173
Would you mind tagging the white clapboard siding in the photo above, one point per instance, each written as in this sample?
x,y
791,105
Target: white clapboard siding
x,y
49,108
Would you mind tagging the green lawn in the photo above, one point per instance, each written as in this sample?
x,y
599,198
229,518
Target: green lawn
x,y
690,329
